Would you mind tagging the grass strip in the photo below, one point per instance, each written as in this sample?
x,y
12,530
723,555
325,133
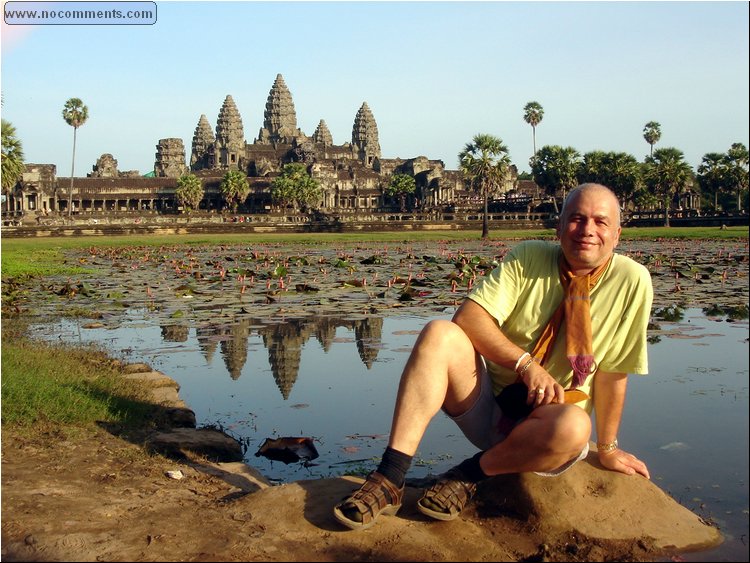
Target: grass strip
x,y
48,385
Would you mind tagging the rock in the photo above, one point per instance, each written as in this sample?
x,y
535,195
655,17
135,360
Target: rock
x,y
207,442
137,367
598,503
586,514
180,417
153,379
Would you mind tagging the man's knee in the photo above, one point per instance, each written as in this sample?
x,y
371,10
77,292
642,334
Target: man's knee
x,y
442,335
573,427
568,427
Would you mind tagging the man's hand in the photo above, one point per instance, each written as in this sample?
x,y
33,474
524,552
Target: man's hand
x,y
622,461
543,389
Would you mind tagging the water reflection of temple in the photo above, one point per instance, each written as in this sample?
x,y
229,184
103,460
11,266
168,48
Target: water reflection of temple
x,y
175,333
284,342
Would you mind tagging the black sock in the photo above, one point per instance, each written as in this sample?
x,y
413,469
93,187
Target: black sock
x,y
394,465
471,469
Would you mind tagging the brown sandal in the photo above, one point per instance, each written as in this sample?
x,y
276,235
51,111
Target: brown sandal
x,y
446,498
377,495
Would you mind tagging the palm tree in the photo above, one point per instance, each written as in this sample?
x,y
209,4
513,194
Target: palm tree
x,y
294,186
189,191
533,114
12,160
712,175
737,159
234,188
484,163
75,114
666,173
652,134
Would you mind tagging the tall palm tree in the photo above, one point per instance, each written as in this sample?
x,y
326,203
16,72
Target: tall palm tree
x,y
484,163
737,159
712,175
652,134
75,114
533,114
12,160
667,173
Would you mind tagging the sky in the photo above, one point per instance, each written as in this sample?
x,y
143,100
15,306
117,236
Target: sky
x,y
434,74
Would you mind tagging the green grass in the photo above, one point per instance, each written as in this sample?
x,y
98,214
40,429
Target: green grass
x,y
46,386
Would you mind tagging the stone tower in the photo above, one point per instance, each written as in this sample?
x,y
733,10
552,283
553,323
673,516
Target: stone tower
x,y
170,158
280,119
229,147
322,134
203,145
105,167
365,137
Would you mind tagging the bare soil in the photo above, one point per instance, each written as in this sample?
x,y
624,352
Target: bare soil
x,y
92,496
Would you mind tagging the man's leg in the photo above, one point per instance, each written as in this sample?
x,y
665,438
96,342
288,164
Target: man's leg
x,y
548,438
547,441
442,372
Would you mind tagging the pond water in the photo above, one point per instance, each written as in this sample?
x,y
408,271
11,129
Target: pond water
x,y
334,379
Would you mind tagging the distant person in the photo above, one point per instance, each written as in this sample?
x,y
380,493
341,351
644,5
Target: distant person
x,y
563,322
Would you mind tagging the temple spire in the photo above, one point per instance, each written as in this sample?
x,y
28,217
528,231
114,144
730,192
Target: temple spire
x,y
365,136
322,134
230,136
280,119
203,144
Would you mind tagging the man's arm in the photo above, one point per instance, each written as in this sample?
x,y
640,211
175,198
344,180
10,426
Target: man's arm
x,y
487,338
609,400
492,344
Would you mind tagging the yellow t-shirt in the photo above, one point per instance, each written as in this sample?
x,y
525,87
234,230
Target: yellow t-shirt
x,y
523,292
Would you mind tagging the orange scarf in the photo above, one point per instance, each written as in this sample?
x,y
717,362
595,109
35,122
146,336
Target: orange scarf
x,y
575,309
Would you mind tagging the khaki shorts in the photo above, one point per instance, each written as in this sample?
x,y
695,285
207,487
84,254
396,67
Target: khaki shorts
x,y
479,424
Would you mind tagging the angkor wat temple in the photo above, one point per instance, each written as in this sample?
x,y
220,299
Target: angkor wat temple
x,y
352,175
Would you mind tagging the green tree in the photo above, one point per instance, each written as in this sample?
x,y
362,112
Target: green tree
x,y
533,114
12,160
618,171
75,114
294,186
556,169
401,186
485,164
652,134
189,192
737,164
713,176
666,174
234,188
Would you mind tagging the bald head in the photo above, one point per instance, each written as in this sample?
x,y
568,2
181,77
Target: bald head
x,y
595,190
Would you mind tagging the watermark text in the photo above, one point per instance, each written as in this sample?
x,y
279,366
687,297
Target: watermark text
x,y
79,13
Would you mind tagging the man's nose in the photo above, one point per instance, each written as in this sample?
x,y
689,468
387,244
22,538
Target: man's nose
x,y
589,227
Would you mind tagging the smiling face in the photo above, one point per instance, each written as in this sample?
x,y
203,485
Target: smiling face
x,y
589,228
